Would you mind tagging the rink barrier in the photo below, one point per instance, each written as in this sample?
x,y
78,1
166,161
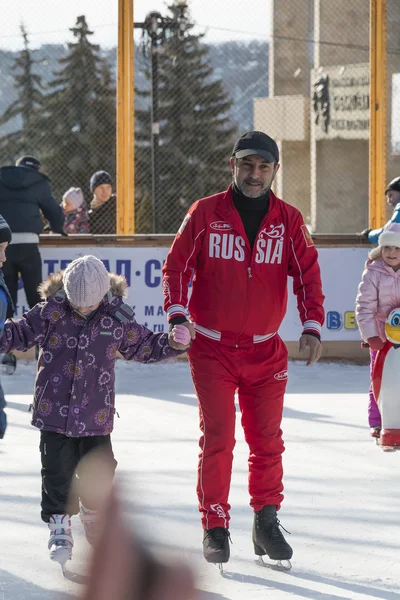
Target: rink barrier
x,y
349,350
321,240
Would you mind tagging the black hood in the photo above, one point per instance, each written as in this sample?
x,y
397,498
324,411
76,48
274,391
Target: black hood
x,y
16,178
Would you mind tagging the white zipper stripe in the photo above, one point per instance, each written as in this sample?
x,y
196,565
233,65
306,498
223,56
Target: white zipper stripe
x,y
210,333
187,262
175,309
216,335
301,278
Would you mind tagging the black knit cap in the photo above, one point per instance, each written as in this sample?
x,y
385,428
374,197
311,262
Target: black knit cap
x,y
256,142
394,185
5,231
28,161
99,178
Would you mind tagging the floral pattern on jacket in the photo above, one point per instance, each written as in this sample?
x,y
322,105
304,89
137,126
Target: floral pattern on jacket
x,y
77,221
75,382
378,294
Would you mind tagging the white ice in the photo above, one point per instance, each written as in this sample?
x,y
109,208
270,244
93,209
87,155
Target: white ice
x,y
341,491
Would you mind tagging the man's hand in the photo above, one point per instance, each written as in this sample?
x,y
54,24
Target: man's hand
x,y
181,335
315,347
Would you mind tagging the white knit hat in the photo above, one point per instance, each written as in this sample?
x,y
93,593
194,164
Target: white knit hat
x,y
86,281
75,196
390,236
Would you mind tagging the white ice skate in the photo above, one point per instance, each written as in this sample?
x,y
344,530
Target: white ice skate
x,y
89,522
61,541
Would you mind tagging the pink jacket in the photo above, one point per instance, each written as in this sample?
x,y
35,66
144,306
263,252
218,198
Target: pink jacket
x,y
378,294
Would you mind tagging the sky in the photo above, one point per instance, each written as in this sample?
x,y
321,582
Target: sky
x,y
48,21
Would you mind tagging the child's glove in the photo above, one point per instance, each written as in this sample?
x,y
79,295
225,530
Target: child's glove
x,y
181,336
375,343
3,423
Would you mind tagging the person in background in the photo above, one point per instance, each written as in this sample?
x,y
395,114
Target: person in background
x,y
75,211
103,207
5,301
392,194
378,295
24,194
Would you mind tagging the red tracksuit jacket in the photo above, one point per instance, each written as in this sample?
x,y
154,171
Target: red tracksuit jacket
x,y
236,289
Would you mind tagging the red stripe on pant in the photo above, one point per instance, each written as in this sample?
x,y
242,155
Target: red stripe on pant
x,y
259,375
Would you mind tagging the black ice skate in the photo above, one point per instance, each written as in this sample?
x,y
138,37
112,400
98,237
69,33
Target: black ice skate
x,y
9,363
216,546
268,538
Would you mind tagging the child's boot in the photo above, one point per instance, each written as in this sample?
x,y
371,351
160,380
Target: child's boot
x,y
60,542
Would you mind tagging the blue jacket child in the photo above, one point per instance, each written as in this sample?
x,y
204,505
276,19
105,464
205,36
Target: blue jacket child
x,y
392,194
5,299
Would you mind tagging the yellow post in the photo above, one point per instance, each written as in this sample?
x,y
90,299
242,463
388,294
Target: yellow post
x,y
125,121
377,154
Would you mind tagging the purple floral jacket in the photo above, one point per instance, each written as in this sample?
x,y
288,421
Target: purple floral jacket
x,y
75,382
77,221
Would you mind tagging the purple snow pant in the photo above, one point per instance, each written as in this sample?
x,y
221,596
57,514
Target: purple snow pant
x,y
374,416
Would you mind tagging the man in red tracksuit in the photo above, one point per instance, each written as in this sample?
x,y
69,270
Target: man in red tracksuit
x,y
240,246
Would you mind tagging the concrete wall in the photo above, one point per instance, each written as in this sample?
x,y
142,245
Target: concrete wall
x,y
290,59
339,168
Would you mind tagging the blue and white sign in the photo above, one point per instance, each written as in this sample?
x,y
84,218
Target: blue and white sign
x,y
341,270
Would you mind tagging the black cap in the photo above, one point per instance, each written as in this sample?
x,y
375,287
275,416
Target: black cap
x,y
394,185
28,161
99,178
5,231
256,142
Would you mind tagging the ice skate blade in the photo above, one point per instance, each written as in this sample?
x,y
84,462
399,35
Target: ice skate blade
x,y
390,448
279,565
61,556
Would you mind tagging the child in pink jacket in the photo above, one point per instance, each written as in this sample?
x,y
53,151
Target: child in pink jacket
x,y
378,295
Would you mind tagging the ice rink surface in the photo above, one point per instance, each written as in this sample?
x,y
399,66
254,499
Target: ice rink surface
x,y
342,493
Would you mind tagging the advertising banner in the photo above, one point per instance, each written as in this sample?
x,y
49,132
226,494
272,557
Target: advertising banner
x,y
341,270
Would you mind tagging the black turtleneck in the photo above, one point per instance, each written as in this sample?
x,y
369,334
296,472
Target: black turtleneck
x,y
251,211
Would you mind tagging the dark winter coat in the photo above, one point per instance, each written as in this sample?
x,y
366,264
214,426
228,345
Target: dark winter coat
x,y
75,382
24,192
103,219
5,300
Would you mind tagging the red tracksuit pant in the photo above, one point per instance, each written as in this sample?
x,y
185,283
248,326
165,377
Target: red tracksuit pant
x,y
259,374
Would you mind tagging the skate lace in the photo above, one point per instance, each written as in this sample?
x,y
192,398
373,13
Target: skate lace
x,y
276,533
219,534
274,525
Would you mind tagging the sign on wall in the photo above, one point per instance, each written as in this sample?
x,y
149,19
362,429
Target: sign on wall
x,y
340,102
341,270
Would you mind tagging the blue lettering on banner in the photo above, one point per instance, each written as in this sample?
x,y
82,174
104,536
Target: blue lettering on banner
x,y
333,320
158,328
150,279
149,311
106,263
124,268
51,265
64,263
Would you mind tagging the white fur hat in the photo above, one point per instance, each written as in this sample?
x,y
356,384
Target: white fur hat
x,y
390,236
75,196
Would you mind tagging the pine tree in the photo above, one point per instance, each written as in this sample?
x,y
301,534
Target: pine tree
x,y
196,135
79,116
26,107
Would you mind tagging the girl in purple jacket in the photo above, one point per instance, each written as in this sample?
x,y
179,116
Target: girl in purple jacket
x,y
81,325
378,295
